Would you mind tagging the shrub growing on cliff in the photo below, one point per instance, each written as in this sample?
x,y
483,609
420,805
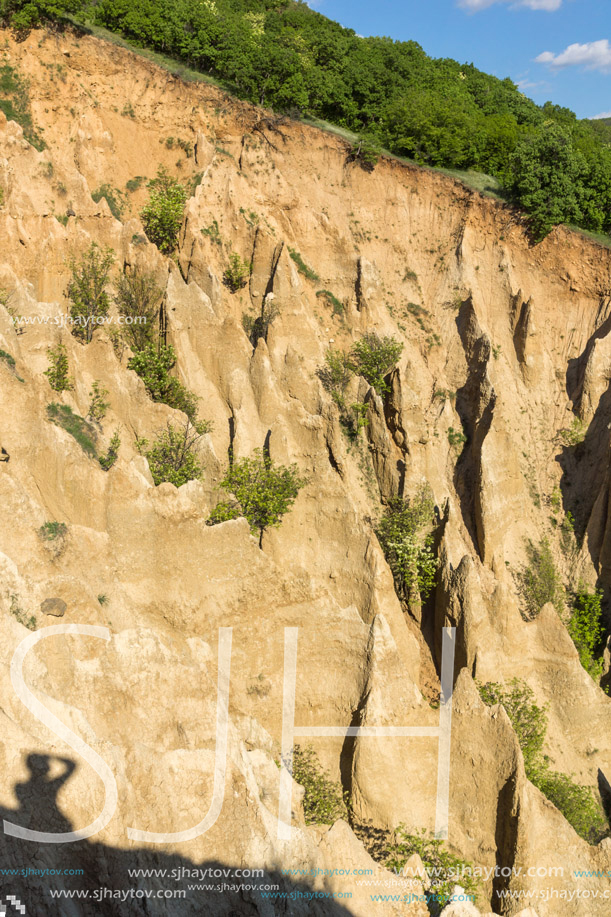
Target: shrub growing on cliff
x,y
163,214
108,460
138,301
575,434
577,803
153,365
586,630
323,802
408,548
302,267
335,375
58,373
173,455
264,491
98,405
51,531
258,327
539,580
236,274
364,152
373,357
443,869
87,290
113,197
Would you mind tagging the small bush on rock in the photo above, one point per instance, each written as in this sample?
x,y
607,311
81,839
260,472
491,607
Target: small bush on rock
x,y
153,365
263,490
163,214
108,460
585,628
51,531
407,546
577,803
173,455
89,298
335,375
58,372
539,580
138,301
82,431
323,802
373,357
97,406
258,327
443,869
236,274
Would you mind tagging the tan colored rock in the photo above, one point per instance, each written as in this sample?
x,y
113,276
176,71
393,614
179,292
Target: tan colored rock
x,y
55,607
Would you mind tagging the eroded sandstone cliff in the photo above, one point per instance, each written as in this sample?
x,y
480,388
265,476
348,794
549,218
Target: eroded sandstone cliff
x,y
506,342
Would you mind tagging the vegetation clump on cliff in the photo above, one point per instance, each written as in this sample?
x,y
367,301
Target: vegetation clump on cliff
x,y
405,537
576,802
264,492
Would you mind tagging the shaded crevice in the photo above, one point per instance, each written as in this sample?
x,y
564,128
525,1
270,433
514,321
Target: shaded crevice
x,y
266,451
332,460
346,757
506,840
585,468
475,403
230,448
358,287
521,329
163,321
577,366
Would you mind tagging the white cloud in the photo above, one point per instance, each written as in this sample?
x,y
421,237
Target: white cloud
x,y
603,114
549,6
525,84
593,55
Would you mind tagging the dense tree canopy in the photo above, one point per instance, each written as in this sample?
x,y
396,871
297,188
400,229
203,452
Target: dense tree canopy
x,y
285,56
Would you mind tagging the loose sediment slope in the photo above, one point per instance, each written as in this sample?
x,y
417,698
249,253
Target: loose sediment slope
x,y
505,342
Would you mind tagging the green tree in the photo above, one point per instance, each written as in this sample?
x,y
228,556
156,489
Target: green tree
x,y
139,301
162,216
173,455
405,537
22,15
235,276
108,460
336,374
264,492
373,357
98,404
58,372
324,802
545,176
87,290
586,630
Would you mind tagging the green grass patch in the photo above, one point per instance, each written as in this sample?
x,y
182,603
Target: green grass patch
x,y
9,360
82,431
15,103
51,531
114,198
332,300
302,267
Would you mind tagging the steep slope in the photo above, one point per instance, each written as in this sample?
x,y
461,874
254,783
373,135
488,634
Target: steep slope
x,y
503,341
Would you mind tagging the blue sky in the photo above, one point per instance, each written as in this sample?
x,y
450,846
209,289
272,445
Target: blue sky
x,y
554,49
